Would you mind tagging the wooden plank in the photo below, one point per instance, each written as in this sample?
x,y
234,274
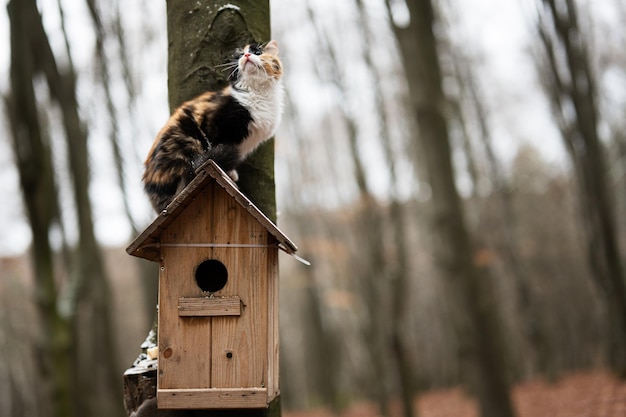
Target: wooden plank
x,y
273,326
189,338
183,342
209,306
212,398
239,346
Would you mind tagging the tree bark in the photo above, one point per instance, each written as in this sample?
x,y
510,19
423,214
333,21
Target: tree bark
x,y
202,35
466,284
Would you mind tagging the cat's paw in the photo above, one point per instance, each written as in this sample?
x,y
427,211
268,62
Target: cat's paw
x,y
234,175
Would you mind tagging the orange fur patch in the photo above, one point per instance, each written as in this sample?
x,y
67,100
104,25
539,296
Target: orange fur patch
x,y
272,65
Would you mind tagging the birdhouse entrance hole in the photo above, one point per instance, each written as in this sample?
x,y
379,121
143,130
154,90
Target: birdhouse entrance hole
x,y
211,275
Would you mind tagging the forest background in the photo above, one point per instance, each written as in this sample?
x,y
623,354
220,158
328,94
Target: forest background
x,y
533,97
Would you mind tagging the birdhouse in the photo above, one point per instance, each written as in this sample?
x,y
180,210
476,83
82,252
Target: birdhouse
x,y
218,296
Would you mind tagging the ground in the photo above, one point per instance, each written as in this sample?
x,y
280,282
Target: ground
x,y
585,394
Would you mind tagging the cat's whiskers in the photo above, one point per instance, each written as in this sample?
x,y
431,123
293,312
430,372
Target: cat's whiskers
x,y
226,67
227,64
233,65
232,73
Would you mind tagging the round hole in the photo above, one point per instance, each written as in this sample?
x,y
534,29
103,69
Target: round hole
x,y
211,275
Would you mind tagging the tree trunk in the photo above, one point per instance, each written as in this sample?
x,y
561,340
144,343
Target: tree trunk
x,y
33,158
572,86
89,282
34,162
398,273
32,56
466,285
507,223
203,34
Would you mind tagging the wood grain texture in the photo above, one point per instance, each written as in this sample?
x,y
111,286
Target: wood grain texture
x,y
209,306
238,353
273,325
214,398
217,351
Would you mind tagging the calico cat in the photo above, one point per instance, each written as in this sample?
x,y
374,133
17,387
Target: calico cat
x,y
225,125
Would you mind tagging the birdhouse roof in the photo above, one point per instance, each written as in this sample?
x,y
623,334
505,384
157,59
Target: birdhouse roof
x,y
146,245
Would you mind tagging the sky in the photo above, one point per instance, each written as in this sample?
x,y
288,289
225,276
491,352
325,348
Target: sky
x,y
497,31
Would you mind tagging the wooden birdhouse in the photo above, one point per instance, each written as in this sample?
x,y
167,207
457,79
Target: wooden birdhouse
x,y
218,296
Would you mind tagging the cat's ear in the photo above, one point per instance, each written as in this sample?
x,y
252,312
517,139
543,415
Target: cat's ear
x,y
271,48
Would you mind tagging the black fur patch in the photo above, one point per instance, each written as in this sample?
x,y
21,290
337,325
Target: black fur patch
x,y
166,189
230,123
161,194
255,49
190,128
226,156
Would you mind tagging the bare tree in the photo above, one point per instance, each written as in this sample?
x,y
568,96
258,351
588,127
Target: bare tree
x,y
466,283
399,272
32,56
31,146
571,87
507,225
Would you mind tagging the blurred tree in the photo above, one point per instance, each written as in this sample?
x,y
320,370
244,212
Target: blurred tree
x,y
398,271
466,282
147,270
31,146
371,235
74,377
506,224
571,87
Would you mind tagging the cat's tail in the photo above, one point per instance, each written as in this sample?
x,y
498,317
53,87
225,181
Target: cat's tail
x,y
168,173
163,183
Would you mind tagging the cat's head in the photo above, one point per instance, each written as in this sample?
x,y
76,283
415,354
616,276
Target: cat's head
x,y
258,63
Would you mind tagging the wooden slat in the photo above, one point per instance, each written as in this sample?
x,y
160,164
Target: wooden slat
x,y
239,346
272,317
209,306
190,338
185,364
212,398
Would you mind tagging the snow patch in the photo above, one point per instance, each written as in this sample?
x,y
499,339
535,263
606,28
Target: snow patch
x,y
229,6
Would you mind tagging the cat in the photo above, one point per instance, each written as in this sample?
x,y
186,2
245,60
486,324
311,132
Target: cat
x,y
224,125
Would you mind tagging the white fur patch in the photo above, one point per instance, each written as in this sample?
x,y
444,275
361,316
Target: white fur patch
x,y
263,97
